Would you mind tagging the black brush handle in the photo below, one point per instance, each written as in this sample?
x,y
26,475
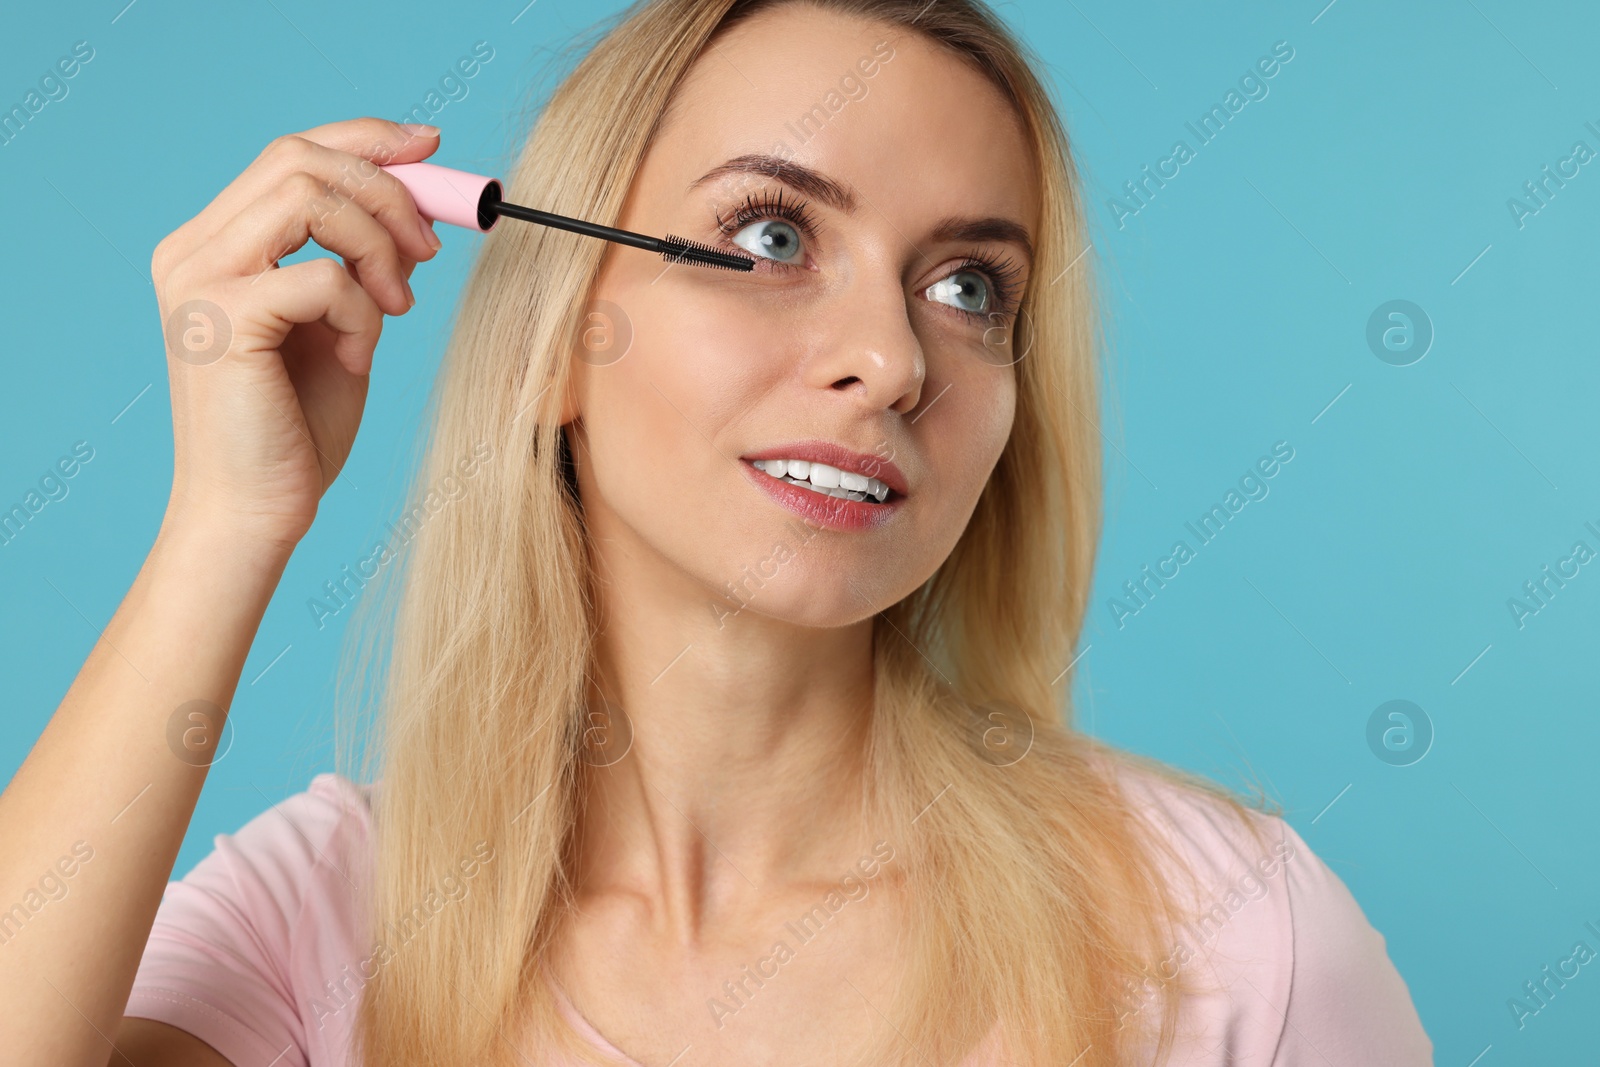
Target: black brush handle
x,y
675,249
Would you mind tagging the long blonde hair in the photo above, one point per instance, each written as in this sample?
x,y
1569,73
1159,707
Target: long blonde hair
x,y
1036,893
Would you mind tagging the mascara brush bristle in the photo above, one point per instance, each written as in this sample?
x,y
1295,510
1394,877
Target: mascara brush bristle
x,y
680,250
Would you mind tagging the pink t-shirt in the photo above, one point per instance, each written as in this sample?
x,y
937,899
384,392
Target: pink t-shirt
x,y
256,950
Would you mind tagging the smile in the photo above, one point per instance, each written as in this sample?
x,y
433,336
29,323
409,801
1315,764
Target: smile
x,y
822,479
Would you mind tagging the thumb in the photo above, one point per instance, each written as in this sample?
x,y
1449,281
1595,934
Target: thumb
x,y
413,141
379,140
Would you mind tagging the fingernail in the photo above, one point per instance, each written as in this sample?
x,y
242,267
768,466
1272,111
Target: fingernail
x,y
411,298
420,129
429,236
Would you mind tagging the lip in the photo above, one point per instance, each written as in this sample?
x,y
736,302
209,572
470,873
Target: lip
x,y
833,455
829,512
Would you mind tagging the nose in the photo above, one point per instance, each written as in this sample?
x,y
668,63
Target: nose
x,y
869,349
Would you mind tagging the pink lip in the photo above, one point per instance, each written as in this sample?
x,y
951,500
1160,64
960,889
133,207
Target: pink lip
x,y
831,512
833,455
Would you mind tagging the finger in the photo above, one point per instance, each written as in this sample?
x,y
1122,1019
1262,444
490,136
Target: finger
x,y
348,156
318,290
300,208
406,267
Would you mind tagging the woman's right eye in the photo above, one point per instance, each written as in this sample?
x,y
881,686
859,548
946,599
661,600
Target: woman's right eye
x,y
771,239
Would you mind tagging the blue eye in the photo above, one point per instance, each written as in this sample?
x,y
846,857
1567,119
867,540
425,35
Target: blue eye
x,y
964,286
771,239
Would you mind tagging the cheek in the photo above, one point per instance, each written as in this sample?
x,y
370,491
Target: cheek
x,y
982,405
667,422
995,430
705,366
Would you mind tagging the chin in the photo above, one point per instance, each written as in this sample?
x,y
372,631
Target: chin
x,y
824,602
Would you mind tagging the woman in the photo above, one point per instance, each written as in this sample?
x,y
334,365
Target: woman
x,y
685,759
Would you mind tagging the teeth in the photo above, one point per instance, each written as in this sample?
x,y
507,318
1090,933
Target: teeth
x,y
825,476
821,478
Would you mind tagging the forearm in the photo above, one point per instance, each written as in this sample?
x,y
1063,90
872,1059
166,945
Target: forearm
x,y
116,773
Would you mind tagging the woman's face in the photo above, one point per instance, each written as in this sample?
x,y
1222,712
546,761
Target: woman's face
x,y
884,189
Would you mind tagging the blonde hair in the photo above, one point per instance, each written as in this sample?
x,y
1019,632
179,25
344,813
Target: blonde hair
x,y
1035,891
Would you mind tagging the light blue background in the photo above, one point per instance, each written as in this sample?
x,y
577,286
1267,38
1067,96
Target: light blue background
x,y
1379,566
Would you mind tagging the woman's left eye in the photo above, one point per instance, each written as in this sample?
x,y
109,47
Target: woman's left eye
x,y
771,239
965,290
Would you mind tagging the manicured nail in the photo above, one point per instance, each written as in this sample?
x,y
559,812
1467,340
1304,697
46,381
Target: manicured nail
x,y
429,236
411,298
419,129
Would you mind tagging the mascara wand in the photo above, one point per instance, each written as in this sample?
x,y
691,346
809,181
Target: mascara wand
x,y
473,201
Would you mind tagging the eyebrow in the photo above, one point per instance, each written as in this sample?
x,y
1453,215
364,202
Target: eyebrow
x,y
819,186
956,228
797,176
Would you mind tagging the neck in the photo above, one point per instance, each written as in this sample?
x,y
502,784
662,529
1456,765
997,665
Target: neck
x,y
743,775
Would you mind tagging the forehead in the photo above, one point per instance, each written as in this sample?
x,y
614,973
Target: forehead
x,y
910,126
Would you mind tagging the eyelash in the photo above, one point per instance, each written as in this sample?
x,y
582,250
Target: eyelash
x,y
1001,272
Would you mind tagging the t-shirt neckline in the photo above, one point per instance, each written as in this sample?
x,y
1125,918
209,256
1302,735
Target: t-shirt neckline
x,y
586,1028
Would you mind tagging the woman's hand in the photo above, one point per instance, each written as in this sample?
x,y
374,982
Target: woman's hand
x,y
268,365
